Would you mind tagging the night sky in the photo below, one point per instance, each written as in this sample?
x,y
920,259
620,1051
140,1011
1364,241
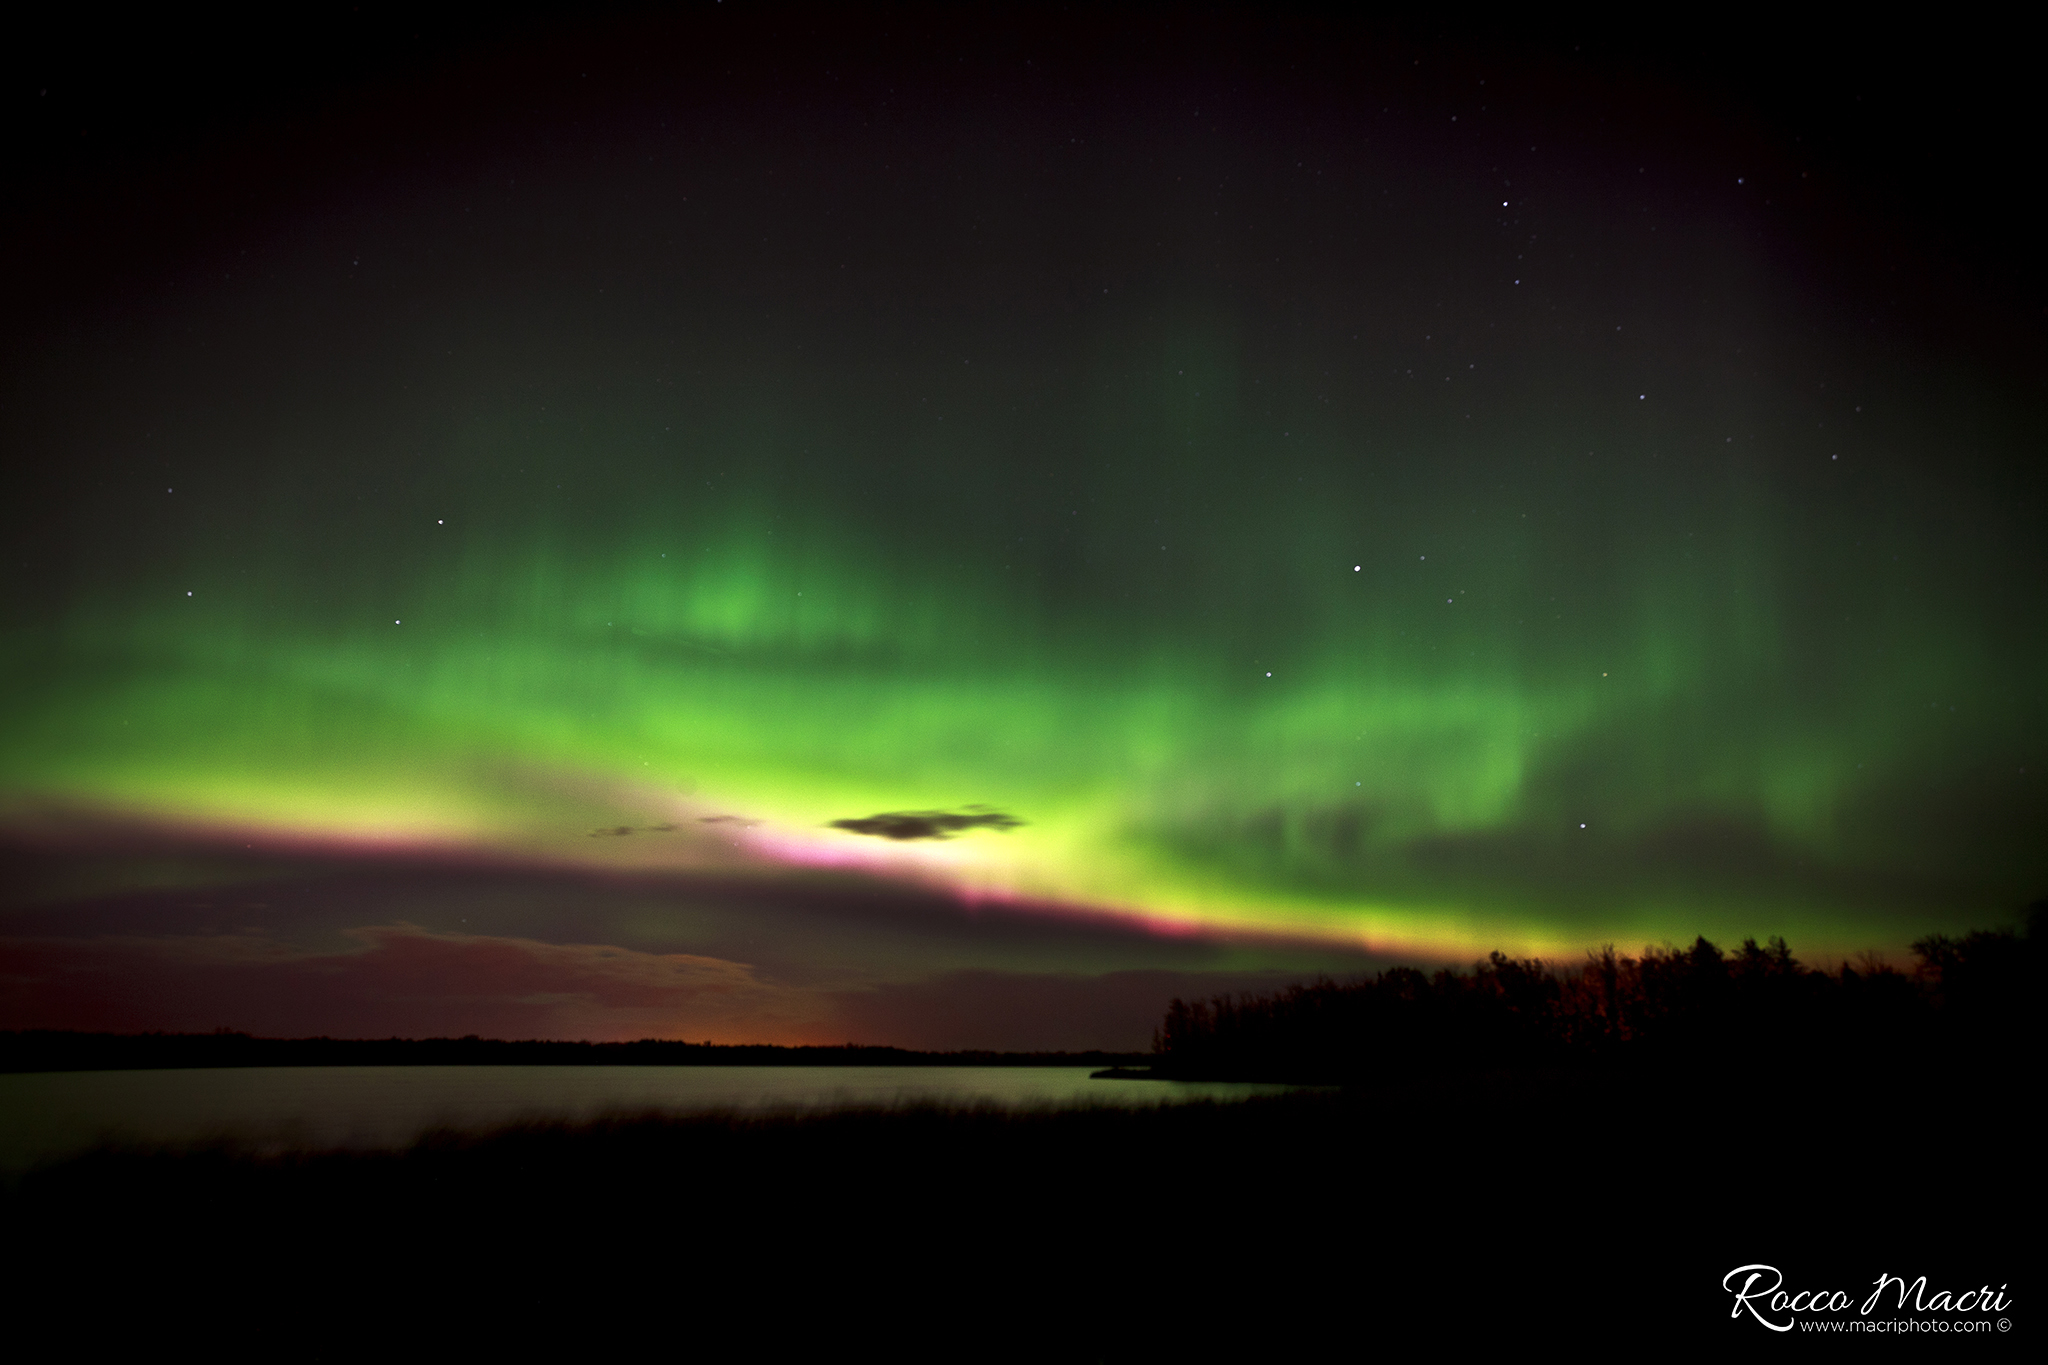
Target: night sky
x,y
774,525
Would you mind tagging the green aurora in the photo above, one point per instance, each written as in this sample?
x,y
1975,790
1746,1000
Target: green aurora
x,y
1393,544
1442,705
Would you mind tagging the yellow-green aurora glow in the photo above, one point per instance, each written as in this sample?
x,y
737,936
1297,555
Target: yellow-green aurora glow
x,y
1465,547
1361,708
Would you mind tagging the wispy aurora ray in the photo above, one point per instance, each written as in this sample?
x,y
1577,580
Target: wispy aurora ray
x,y
1428,589
1399,720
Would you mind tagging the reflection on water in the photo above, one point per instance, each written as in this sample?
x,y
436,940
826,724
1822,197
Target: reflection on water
x,y
52,1114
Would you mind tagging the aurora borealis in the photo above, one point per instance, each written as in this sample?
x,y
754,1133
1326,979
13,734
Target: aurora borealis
x,y
1257,519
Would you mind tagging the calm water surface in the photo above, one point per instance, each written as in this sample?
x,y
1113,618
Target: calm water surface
x,y
48,1115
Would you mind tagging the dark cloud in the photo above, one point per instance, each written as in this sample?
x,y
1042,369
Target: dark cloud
x,y
928,824
814,925
128,929
397,979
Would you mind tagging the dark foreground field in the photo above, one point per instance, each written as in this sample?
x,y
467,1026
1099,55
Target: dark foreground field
x,y
1520,1207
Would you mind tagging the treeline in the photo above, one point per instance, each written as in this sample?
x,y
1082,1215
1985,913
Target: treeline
x,y
1968,1004
55,1050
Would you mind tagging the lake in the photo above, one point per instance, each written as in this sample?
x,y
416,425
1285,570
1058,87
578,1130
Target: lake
x,y
48,1115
